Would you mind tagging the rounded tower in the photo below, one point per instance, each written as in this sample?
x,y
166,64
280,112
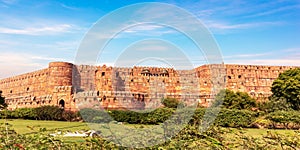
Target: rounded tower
x,y
60,74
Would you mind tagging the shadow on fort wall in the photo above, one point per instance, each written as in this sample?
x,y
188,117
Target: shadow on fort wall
x,y
76,80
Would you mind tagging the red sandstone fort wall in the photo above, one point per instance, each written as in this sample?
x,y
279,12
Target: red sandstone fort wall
x,y
254,79
21,90
43,87
67,84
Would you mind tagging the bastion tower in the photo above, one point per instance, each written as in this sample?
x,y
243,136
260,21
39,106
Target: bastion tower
x,y
60,84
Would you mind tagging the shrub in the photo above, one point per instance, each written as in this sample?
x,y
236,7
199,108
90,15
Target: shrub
x,y
171,102
49,113
96,116
5,114
70,116
20,113
232,100
275,104
227,117
155,117
235,118
198,116
26,113
158,115
288,119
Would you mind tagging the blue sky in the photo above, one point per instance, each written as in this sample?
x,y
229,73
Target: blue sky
x,y
34,33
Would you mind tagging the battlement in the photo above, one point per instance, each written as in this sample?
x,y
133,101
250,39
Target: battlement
x,y
64,84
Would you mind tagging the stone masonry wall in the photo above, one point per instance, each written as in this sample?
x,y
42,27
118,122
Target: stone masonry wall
x,y
67,85
50,86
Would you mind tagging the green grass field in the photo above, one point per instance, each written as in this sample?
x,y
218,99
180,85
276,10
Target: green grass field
x,y
33,126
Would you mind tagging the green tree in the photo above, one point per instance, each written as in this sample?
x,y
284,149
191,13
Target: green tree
x,y
171,102
275,104
3,105
287,86
232,100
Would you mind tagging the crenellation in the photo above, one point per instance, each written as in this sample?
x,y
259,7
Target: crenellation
x,y
64,84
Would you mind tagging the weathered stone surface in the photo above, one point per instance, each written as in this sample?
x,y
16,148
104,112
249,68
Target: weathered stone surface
x,y
106,87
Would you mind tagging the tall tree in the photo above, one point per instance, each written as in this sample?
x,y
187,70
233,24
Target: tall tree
x,y
2,101
287,86
232,100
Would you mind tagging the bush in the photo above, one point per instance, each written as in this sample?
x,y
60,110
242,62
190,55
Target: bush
x,y
232,100
227,117
127,116
287,119
96,116
275,104
25,113
198,116
49,113
171,102
20,113
4,114
158,115
235,118
70,116
155,117
40,113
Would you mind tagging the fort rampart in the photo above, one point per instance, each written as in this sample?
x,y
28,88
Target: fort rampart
x,y
67,85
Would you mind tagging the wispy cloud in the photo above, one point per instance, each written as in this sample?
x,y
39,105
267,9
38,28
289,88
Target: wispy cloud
x,y
47,58
246,55
289,56
9,1
45,30
216,24
143,27
18,63
271,62
225,26
273,11
296,49
68,7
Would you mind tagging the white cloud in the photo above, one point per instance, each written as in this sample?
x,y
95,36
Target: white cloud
x,y
47,58
69,7
225,26
9,1
143,27
18,63
216,25
271,62
45,30
246,55
273,11
288,57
